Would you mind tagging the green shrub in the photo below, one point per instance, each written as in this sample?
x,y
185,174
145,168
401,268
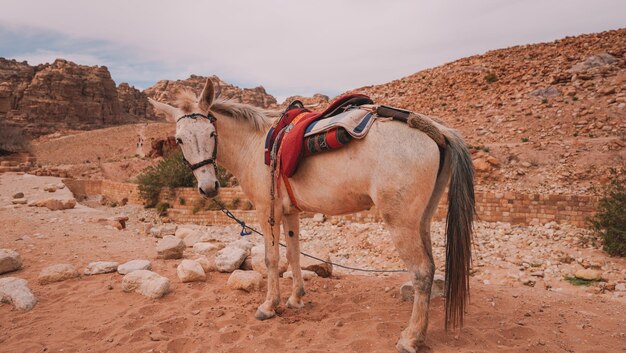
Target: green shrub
x,y
491,77
610,219
574,98
579,281
170,172
181,201
162,207
525,139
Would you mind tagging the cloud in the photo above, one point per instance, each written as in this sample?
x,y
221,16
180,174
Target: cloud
x,y
290,47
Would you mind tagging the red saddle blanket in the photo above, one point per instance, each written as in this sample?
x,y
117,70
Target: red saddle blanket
x,y
295,121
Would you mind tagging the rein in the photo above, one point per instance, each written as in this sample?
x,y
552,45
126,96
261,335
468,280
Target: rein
x,y
213,158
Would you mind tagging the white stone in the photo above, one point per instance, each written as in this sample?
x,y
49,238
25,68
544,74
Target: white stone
x,y
170,247
208,265
230,258
306,275
133,265
57,273
147,283
98,267
190,271
183,232
15,291
620,287
21,201
245,280
319,217
163,230
243,243
205,248
10,260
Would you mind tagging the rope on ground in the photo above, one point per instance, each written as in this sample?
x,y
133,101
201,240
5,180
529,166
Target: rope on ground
x,y
245,227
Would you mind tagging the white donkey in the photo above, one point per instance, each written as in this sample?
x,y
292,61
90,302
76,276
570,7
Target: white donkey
x,y
399,169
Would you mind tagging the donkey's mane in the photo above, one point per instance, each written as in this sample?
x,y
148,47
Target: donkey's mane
x,y
260,119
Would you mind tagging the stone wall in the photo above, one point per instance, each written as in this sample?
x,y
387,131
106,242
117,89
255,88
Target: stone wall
x,y
189,207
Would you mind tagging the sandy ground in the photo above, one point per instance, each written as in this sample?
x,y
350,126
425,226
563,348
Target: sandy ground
x,y
346,313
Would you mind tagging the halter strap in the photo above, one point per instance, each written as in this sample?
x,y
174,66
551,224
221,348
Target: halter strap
x,y
213,158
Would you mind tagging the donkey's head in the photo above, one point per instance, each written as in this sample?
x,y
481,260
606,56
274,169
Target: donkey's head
x,y
196,135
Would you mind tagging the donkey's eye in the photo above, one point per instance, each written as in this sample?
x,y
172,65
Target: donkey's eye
x,y
179,141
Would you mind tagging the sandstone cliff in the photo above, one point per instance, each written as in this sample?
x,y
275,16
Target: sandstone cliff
x,y
165,91
48,97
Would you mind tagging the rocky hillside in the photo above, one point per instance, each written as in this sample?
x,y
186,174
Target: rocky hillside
x,y
49,97
165,91
549,116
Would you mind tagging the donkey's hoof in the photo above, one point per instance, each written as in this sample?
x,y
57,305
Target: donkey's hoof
x,y
407,346
293,303
262,315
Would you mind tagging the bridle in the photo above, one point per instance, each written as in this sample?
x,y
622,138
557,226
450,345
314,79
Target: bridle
x,y
213,158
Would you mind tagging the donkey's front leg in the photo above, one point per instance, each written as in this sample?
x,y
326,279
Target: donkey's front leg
x,y
291,225
272,238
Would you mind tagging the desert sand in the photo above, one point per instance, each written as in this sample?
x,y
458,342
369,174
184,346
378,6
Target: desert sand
x,y
344,313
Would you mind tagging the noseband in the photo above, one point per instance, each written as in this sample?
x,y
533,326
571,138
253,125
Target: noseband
x,y
213,158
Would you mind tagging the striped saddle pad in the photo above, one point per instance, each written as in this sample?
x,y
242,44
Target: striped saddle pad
x,y
335,132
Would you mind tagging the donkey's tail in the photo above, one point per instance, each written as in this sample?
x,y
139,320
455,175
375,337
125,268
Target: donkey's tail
x,y
458,227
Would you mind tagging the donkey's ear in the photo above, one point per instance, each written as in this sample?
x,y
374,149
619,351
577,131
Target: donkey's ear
x,y
171,113
208,96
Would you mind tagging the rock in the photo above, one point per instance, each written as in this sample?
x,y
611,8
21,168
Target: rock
x,y
547,92
165,91
243,243
57,273
54,204
113,222
201,237
10,261
19,195
50,188
246,265
620,287
208,265
190,271
493,161
587,274
133,265
15,291
481,165
245,280
98,267
146,283
306,275
19,201
319,217
170,247
593,61
257,257
230,258
184,232
163,230
205,248
322,269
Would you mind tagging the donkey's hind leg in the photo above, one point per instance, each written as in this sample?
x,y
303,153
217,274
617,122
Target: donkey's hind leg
x,y
291,224
413,244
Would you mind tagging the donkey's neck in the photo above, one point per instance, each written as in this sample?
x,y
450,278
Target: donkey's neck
x,y
240,148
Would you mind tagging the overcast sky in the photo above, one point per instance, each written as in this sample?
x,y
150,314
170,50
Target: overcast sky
x,y
289,47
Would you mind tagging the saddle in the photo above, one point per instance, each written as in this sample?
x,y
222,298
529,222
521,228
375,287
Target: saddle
x,y
287,136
